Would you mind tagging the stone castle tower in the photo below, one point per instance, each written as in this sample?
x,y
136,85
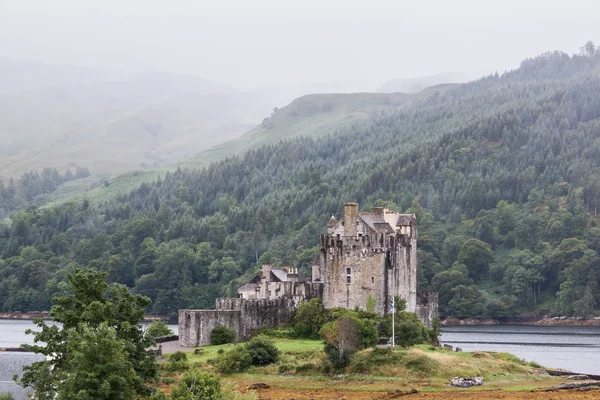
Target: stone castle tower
x,y
368,255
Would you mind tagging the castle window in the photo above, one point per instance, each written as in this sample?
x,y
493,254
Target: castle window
x,y
348,275
348,271
348,279
372,279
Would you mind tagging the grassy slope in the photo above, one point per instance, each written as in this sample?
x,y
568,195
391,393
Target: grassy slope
x,y
312,115
424,367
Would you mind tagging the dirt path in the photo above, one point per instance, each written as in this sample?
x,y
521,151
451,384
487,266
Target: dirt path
x,y
327,394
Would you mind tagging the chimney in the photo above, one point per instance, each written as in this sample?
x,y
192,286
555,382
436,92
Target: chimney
x,y
350,218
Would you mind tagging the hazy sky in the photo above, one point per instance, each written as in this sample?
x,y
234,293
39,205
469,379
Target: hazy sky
x,y
252,43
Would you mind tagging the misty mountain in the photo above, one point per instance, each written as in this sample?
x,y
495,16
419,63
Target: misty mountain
x,y
62,116
415,85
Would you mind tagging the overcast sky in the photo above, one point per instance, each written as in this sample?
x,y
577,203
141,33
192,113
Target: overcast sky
x,y
253,43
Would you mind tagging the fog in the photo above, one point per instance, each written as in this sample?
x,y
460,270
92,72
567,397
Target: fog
x,y
259,43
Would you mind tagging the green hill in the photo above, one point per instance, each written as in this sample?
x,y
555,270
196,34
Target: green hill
x,y
502,174
312,115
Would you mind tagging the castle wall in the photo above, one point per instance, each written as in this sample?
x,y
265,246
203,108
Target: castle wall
x,y
366,261
195,326
404,276
242,315
427,307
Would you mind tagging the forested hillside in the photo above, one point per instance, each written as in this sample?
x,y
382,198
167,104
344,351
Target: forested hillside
x,y
503,174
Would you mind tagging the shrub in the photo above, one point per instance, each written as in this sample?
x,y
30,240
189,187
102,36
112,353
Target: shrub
x,y
262,351
422,364
309,319
198,384
6,396
158,329
177,362
235,360
178,356
222,335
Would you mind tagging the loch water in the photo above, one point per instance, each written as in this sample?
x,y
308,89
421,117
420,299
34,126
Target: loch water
x,y
569,347
12,332
574,348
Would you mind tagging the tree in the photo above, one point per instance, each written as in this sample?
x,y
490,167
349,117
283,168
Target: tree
x,y
309,319
100,327
157,329
477,256
342,340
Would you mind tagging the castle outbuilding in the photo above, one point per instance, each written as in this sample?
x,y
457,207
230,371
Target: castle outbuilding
x,y
365,259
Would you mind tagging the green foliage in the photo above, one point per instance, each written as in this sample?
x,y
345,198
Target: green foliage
x,y
342,339
6,396
198,385
158,329
262,351
365,323
237,359
222,335
309,319
177,362
100,338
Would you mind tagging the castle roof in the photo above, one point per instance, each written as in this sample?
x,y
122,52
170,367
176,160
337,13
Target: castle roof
x,y
405,219
376,222
280,275
249,287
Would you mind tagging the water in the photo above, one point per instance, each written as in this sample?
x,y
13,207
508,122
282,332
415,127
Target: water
x,y
574,348
12,332
568,347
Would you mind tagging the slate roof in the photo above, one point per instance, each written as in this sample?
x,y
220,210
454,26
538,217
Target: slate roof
x,y
377,223
248,287
404,219
12,363
280,274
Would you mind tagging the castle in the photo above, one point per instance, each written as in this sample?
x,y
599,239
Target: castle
x,y
364,260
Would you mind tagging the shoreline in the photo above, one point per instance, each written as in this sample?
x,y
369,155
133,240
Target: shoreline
x,y
45,316
546,321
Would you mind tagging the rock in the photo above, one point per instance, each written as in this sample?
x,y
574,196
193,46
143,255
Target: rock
x,y
458,349
578,385
466,382
448,347
577,377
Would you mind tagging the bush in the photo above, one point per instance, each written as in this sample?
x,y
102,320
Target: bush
x,y
262,351
198,384
222,335
235,360
422,364
158,329
6,396
177,362
309,319
178,356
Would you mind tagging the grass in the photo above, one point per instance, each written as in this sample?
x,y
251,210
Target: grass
x,y
428,368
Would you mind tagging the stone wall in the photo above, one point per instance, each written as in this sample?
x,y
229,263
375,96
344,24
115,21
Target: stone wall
x,y
242,315
427,306
195,326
